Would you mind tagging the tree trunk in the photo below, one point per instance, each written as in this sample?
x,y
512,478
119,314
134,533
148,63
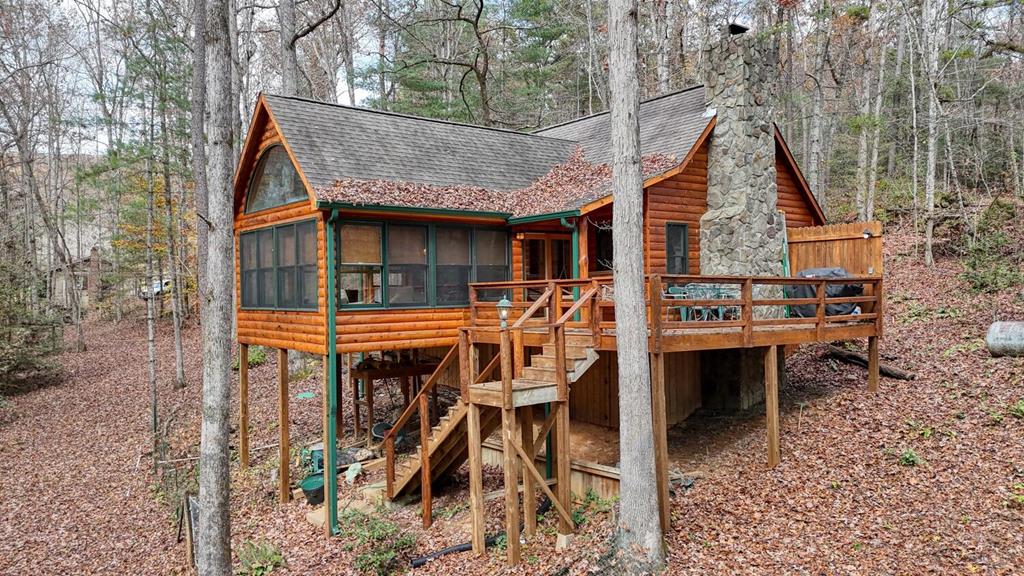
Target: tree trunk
x,y
214,489
639,524
289,59
151,290
933,32
347,52
172,249
876,128
815,156
661,32
198,126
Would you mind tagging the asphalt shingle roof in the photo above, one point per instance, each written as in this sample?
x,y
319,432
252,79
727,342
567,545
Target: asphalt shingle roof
x,y
361,156
669,125
333,142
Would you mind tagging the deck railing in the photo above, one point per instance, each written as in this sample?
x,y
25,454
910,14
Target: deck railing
x,y
744,304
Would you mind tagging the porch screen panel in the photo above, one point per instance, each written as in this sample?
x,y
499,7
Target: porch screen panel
x,y
490,261
306,271
407,265
248,256
676,248
286,283
266,293
359,277
453,265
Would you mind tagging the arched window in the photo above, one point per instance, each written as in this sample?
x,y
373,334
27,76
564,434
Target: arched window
x,y
274,182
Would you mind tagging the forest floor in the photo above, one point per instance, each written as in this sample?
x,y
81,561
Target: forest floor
x,y
924,477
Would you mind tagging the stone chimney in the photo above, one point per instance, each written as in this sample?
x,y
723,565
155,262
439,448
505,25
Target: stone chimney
x,y
742,232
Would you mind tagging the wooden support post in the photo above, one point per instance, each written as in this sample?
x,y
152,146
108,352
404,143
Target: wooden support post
x,y
508,428
771,402
426,502
529,492
660,422
343,367
476,479
873,363
283,449
370,418
563,471
356,424
328,454
465,365
243,405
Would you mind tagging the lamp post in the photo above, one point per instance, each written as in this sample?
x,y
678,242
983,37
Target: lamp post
x,y
503,306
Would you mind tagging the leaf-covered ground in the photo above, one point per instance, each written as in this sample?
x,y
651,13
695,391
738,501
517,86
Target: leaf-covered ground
x,y
917,479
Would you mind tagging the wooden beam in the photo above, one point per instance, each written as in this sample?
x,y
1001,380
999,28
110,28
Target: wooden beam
x,y
283,449
427,499
529,490
563,472
660,422
771,402
243,405
476,479
531,470
873,364
508,427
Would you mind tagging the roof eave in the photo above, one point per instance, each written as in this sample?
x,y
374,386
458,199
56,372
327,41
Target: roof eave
x,y
541,217
328,205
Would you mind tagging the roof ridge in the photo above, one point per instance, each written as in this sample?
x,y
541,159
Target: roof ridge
x,y
538,131
421,118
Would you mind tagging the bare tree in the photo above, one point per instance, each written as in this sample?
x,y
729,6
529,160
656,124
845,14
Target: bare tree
x,y
214,489
639,524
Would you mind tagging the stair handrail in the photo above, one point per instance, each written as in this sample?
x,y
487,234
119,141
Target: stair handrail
x,y
415,404
537,305
576,306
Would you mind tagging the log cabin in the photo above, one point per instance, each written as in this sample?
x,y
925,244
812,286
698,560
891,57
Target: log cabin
x,y
362,232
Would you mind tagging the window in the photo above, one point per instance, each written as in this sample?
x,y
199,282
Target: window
x,y
604,251
407,265
359,280
279,267
454,265
403,264
274,182
676,248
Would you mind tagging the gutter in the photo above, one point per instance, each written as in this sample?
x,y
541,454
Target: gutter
x,y
549,216
327,205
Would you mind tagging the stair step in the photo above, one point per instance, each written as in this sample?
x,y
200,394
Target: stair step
x,y
573,352
539,374
545,361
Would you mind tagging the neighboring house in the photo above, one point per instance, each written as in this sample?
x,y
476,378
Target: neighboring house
x,y
361,231
87,274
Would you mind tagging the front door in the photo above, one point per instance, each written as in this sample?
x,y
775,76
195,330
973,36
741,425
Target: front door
x,y
546,257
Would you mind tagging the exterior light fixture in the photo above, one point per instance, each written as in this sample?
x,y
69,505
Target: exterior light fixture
x,y
867,234
503,306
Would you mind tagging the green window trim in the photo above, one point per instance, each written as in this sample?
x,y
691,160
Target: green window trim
x,y
431,272
670,258
303,273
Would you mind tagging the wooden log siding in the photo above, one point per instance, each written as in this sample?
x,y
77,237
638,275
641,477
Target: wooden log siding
x,y
303,330
398,329
683,199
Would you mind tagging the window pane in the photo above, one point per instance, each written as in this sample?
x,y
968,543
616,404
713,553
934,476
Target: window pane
x,y
360,243
407,245
275,181
266,289
287,290
309,287
359,285
491,247
247,246
307,242
452,284
675,248
286,246
265,239
452,246
249,289
453,266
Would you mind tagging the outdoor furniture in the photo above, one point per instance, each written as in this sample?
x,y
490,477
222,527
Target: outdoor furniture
x,y
704,292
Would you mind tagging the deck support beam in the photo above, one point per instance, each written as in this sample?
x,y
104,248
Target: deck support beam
x,y
529,489
873,366
243,405
476,479
771,402
660,422
283,448
508,428
562,463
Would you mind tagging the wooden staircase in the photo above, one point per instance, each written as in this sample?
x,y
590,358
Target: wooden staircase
x,y
447,446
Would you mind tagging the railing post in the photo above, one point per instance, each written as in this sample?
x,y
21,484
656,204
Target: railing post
x,y
506,370
472,305
748,311
595,313
656,304
555,302
560,375
820,310
879,307
425,463
518,357
389,462
465,364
